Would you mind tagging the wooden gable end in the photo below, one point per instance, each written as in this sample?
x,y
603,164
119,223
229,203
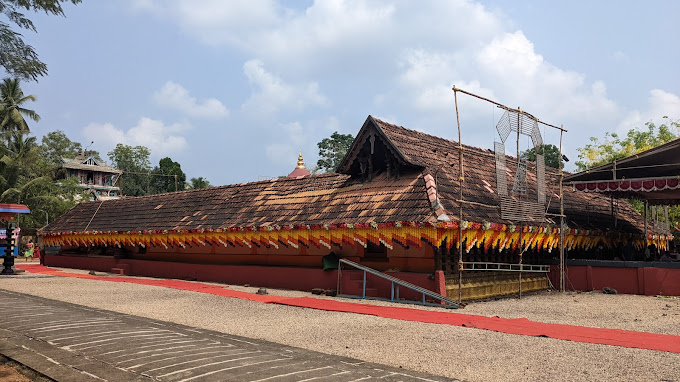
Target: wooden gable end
x,y
90,161
372,153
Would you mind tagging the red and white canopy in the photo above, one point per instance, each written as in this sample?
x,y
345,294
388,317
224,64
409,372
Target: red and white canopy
x,y
652,175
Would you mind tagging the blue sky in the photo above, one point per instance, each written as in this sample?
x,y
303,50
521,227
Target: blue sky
x,y
233,89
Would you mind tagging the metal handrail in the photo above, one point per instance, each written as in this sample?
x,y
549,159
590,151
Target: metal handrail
x,y
448,303
504,267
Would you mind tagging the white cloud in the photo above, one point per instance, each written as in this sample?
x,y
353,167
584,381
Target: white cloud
x,y
660,103
345,34
663,103
286,149
161,139
620,56
506,69
272,94
289,138
174,96
401,58
218,22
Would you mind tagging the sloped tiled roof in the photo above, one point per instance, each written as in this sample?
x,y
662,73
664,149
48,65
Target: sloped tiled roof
x,y
440,156
348,198
320,199
77,163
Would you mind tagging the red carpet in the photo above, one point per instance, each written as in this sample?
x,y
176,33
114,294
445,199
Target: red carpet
x,y
522,326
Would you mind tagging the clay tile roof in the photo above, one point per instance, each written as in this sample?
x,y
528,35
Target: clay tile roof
x,y
439,157
427,188
319,199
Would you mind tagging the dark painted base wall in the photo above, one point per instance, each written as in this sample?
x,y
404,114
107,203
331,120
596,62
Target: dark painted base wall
x,y
643,279
295,278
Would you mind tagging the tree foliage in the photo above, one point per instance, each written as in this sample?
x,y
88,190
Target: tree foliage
x,y
163,177
135,161
12,110
199,182
332,150
551,155
25,179
55,145
616,147
19,59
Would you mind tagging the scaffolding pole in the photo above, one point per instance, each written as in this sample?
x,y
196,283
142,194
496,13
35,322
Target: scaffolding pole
x,y
461,180
561,218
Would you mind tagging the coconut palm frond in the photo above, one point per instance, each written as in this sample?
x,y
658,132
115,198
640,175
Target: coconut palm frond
x,y
11,195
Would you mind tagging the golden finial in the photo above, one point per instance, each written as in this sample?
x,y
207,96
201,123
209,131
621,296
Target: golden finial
x,y
301,162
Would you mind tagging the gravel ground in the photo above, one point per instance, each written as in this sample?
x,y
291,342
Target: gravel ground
x,y
471,354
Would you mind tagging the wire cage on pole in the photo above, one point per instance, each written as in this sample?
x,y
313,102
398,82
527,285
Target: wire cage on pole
x,y
514,202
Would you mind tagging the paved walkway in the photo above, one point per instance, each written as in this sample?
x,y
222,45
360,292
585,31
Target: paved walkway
x,y
70,342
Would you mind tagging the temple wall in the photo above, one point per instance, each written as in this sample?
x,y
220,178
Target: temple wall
x,y
398,259
635,277
296,278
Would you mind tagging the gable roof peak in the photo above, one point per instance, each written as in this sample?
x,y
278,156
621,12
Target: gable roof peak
x,y
369,137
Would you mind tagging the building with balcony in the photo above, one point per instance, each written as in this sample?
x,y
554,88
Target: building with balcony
x,y
96,180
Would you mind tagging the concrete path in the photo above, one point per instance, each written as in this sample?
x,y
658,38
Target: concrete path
x,y
69,342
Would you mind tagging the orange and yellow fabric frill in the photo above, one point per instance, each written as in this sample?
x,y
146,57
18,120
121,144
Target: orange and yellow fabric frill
x,y
404,234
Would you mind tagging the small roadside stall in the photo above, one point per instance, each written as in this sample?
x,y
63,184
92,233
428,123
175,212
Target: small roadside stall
x,y
9,235
652,177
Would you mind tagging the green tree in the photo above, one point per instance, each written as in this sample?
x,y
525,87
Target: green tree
x,y
24,151
615,147
199,182
12,110
332,150
167,177
134,161
23,180
43,197
55,145
19,59
551,155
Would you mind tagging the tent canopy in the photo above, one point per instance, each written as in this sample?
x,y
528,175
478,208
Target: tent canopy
x,y
652,175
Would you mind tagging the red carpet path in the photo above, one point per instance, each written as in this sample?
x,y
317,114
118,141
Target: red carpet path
x,y
523,326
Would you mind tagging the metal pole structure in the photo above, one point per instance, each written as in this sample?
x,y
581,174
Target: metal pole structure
x,y
646,205
461,180
455,89
175,182
519,128
8,258
521,244
461,201
561,218
521,251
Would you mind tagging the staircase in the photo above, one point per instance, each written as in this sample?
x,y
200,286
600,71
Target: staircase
x,y
367,283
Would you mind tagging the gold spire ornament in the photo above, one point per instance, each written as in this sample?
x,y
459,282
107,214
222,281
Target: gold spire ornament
x,y
301,162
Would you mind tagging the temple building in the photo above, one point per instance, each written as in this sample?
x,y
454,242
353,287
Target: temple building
x,y
95,179
394,205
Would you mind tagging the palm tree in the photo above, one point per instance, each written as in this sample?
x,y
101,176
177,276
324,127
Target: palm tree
x,y
19,146
12,110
